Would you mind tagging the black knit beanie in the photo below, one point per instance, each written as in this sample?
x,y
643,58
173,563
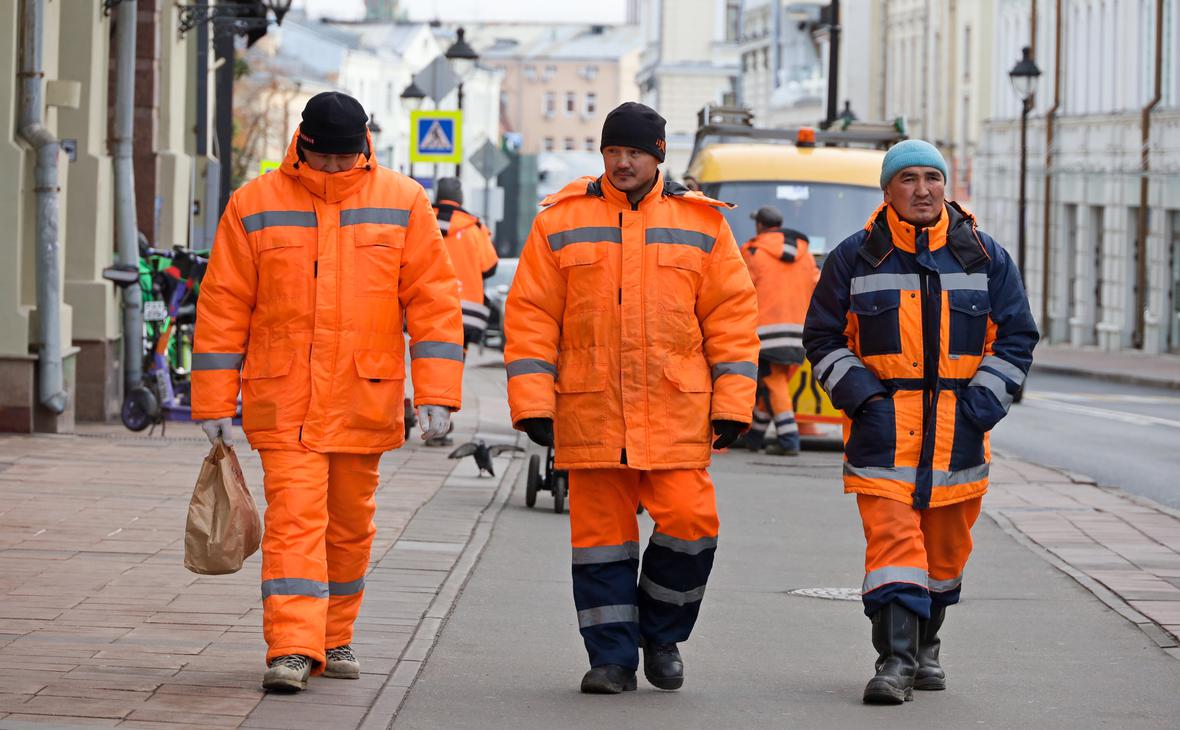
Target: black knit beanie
x,y
631,124
333,124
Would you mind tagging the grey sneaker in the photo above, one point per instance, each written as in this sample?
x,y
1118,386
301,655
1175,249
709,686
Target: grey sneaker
x,y
342,663
287,673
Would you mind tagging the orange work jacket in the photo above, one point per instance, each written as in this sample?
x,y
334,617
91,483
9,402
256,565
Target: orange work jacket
x,y
473,256
784,275
632,326
302,307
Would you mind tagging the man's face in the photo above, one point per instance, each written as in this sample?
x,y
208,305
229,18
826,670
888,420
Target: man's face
x,y
330,163
917,194
629,169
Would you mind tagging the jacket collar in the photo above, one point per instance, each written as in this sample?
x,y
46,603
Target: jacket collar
x,y
329,187
956,229
619,198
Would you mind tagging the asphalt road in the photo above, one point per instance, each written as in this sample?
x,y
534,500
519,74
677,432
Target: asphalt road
x,y
1125,436
1028,647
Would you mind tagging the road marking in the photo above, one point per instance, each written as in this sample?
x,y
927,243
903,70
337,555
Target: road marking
x,y
1151,400
1136,419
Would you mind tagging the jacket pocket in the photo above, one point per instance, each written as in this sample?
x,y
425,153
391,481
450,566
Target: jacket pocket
x,y
968,321
678,276
589,285
688,402
581,410
967,449
878,326
282,265
377,394
872,439
378,263
262,390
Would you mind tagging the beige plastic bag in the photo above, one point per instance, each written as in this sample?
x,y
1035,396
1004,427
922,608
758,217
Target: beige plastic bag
x,y
223,527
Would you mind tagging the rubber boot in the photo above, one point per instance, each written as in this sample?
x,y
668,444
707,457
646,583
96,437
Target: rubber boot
x,y
608,680
895,637
930,675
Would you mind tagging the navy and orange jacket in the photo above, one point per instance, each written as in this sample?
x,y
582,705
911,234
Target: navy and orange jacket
x,y
936,321
632,326
473,256
303,303
784,275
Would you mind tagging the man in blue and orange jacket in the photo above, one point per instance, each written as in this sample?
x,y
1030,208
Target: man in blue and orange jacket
x,y
920,331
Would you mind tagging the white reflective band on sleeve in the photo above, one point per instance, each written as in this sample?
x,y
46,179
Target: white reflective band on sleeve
x,y
993,382
748,369
667,595
217,361
530,365
832,357
441,350
618,614
839,370
874,579
1005,368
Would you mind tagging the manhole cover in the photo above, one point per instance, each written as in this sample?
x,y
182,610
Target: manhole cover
x,y
831,594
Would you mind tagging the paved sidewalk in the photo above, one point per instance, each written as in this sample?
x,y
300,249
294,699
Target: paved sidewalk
x,y
1124,366
100,623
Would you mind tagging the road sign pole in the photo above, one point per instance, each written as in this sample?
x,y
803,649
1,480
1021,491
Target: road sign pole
x,y
459,164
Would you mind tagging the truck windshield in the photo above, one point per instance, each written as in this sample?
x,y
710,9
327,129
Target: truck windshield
x,y
826,212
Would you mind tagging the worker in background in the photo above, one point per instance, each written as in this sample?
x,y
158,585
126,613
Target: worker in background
x,y
920,331
630,342
784,274
301,310
472,254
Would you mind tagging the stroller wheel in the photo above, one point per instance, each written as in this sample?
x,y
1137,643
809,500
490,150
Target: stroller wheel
x,y
533,481
560,487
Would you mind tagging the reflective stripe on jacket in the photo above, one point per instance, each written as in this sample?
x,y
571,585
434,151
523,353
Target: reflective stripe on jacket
x,y
784,275
631,326
473,256
305,290
937,321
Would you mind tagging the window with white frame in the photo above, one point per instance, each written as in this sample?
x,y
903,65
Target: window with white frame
x,y
591,103
571,103
549,104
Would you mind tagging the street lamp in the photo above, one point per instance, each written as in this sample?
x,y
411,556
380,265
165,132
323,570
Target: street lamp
x,y
462,57
413,95
1024,80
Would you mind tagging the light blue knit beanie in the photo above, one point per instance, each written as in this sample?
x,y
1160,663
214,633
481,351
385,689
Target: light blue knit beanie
x,y
911,153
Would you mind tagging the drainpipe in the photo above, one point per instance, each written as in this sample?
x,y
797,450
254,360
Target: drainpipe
x,y
1145,159
31,128
1050,131
126,227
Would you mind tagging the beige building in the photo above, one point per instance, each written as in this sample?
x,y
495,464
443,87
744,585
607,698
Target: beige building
x,y
560,81
76,60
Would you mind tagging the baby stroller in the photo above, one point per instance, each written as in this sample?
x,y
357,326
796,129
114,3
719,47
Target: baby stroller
x,y
553,480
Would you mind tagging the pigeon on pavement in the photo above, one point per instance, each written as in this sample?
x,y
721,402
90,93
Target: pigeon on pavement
x,y
483,454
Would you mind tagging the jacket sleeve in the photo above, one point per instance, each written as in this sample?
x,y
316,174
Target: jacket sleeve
x,y
429,293
843,375
224,308
532,329
727,310
488,259
1011,336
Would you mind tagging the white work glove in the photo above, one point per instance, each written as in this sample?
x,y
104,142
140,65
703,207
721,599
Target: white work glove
x,y
434,421
219,427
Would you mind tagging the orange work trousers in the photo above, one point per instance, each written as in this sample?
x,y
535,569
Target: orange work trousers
x,y
914,556
315,549
775,405
616,601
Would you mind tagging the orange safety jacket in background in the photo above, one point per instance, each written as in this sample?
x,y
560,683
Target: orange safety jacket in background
x,y
784,275
473,256
302,307
632,326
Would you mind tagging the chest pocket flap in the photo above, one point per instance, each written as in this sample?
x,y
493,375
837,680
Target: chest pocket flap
x,y
579,256
880,326
267,363
873,303
680,257
969,302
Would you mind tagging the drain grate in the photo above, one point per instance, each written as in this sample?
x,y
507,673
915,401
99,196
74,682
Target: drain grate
x,y
831,594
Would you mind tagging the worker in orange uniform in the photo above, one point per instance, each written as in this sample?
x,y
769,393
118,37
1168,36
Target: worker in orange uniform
x,y
630,340
784,275
921,333
472,254
302,307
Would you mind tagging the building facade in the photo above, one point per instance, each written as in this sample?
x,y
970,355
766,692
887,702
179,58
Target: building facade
x,y
1098,273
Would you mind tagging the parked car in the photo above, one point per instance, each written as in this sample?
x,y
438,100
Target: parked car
x,y
495,291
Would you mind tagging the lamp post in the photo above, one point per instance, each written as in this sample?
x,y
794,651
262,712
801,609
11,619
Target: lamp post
x,y
412,97
462,57
1024,80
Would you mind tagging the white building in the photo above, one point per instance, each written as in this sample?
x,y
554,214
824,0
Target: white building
x,y
784,79
1085,187
690,59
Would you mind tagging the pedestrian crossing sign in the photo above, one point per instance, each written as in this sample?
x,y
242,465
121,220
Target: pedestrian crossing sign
x,y
436,136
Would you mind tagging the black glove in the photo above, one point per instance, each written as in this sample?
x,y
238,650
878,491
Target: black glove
x,y
728,432
539,430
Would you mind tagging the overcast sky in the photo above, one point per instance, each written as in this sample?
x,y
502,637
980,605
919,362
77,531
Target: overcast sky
x,y
541,11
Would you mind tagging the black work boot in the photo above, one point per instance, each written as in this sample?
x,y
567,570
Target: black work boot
x,y
663,666
608,680
930,675
895,637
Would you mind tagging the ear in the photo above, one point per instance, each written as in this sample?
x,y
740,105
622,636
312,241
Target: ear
x,y
885,193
